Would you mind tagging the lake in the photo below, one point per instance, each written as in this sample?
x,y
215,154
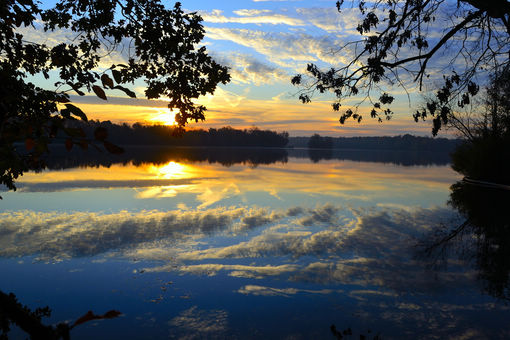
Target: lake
x,y
244,244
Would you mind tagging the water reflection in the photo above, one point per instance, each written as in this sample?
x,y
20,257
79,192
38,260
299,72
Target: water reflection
x,y
481,237
304,245
60,158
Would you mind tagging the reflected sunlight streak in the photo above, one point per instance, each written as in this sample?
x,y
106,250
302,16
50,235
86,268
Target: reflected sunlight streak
x,y
171,170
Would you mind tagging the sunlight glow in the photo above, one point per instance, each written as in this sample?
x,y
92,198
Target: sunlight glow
x,y
171,170
163,116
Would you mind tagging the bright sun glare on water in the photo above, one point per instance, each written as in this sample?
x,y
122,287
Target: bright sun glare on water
x,y
170,170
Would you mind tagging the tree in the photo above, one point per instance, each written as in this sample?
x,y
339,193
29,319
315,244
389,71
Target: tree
x,y
485,153
160,47
489,117
319,142
402,39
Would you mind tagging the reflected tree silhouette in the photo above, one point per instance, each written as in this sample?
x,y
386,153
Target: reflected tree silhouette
x,y
13,312
317,155
482,238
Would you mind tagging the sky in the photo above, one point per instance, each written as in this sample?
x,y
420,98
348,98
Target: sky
x,y
265,43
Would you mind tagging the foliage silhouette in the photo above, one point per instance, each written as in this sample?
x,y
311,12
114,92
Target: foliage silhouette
x,y
139,155
400,39
396,143
162,48
484,236
13,312
318,142
482,196
485,155
139,134
485,233
348,333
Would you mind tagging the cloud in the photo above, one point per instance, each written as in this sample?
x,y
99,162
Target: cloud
x,y
99,184
246,69
328,19
55,236
194,323
370,247
259,217
251,17
288,50
251,12
211,269
326,214
270,291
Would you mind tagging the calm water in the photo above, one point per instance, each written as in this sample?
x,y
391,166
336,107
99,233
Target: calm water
x,y
243,245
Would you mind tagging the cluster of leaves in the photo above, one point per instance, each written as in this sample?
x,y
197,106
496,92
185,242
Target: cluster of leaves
x,y
348,333
319,142
483,239
399,40
452,95
12,311
161,47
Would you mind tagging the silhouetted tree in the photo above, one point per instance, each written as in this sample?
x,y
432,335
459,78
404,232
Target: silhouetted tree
x,y
319,142
400,40
162,49
484,236
485,155
165,135
13,312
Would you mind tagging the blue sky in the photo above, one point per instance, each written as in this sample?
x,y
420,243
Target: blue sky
x,y
265,43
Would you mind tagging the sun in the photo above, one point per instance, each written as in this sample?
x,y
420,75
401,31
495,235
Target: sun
x,y
163,116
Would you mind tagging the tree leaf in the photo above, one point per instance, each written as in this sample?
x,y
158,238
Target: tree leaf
x,y
77,112
117,76
112,148
84,144
91,316
126,91
29,144
74,132
106,80
63,98
69,144
76,89
99,92
66,113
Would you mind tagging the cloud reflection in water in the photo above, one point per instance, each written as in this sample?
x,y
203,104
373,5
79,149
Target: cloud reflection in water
x,y
326,245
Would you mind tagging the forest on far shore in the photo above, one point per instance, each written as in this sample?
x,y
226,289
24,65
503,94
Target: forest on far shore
x,y
163,135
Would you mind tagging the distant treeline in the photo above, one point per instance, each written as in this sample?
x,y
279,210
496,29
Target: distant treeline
x,y
138,134
405,142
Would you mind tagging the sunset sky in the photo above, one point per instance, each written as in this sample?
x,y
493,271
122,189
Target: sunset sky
x,y
265,43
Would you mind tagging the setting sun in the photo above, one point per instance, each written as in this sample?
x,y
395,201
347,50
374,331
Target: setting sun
x,y
163,116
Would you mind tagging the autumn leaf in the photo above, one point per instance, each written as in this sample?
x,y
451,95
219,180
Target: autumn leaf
x,y
29,144
84,144
112,148
106,80
89,316
76,88
63,98
77,112
117,76
69,144
126,91
75,132
99,92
